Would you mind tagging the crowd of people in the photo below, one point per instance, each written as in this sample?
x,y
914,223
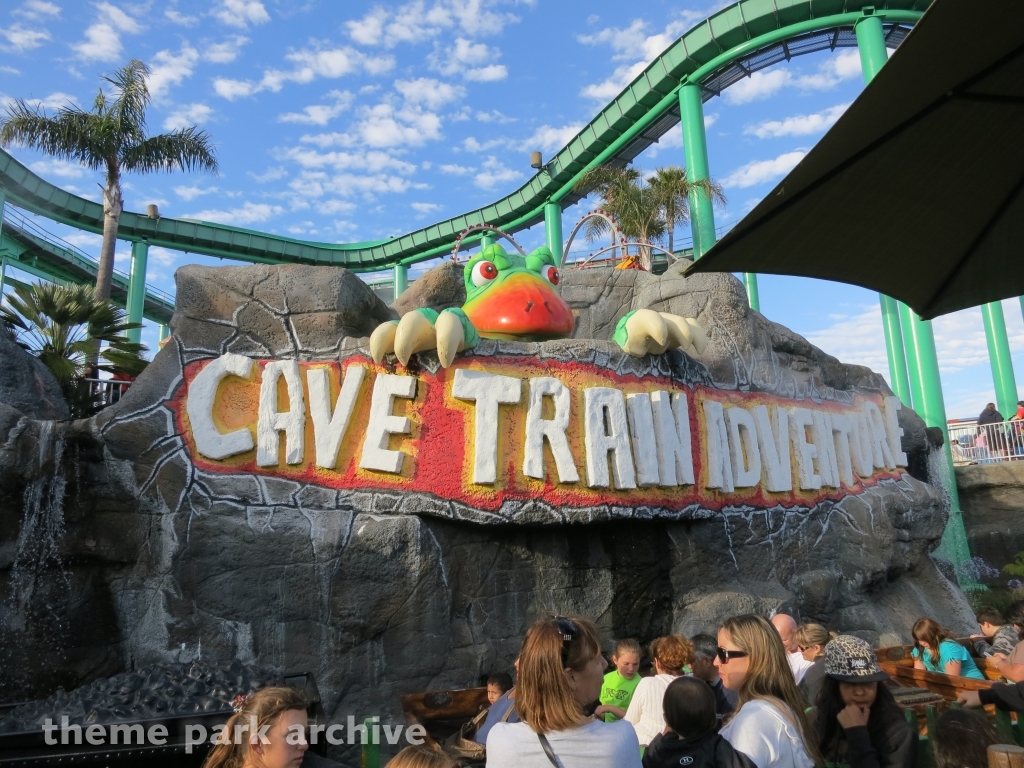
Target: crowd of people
x,y
762,694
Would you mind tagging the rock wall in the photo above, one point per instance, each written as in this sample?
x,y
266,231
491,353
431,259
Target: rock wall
x,y
154,559
992,503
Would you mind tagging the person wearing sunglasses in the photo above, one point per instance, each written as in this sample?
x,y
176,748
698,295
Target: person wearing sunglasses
x,y
769,726
561,670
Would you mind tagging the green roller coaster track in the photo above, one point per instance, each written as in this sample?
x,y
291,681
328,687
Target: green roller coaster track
x,y
733,43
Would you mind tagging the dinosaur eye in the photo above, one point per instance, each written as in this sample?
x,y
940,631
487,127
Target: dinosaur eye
x,y
551,274
483,273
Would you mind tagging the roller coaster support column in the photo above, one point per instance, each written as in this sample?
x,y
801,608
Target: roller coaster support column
x,y
553,230
871,42
137,288
400,281
999,358
487,239
165,331
750,281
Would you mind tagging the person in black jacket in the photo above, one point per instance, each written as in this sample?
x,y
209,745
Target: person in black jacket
x,y
859,723
691,738
1008,696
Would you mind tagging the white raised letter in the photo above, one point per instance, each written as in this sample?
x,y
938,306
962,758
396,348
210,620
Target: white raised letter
x,y
292,422
383,423
826,448
890,409
537,428
606,429
746,459
799,420
329,425
841,428
672,430
774,442
860,445
641,430
488,391
719,463
881,455
202,392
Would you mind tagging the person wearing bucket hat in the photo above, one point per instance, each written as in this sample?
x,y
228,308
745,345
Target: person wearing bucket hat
x,y
858,722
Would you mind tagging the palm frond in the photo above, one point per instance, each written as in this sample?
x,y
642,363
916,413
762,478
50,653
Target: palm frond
x,y
69,135
187,149
128,109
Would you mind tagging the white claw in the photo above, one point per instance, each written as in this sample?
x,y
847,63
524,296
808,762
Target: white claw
x,y
646,333
382,340
415,334
699,337
679,334
450,337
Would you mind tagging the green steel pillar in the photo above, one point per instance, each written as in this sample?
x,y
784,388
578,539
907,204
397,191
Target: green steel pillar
x,y
695,147
873,55
3,276
750,281
401,280
486,239
553,230
999,358
165,331
137,288
914,391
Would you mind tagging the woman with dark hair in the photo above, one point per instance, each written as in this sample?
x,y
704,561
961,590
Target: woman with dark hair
x,y
936,650
284,711
962,740
859,723
561,671
691,736
770,726
669,655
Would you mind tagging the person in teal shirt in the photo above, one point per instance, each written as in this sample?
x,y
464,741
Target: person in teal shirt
x,y
931,640
619,684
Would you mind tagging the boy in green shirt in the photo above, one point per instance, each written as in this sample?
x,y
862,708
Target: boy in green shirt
x,y
620,683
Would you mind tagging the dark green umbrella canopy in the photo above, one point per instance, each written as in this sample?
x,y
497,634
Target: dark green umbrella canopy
x,y
918,189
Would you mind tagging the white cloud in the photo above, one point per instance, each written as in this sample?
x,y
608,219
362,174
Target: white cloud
x,y
84,239
170,69
494,116
473,61
192,192
103,39
330,207
271,174
20,38
9,70
309,64
426,207
414,22
761,171
457,170
855,338
320,114
120,20
55,100
226,52
186,115
493,172
373,161
314,184
242,13
61,168
249,213
384,126
162,257
761,85
175,17
433,94
610,88
798,125
37,9
550,139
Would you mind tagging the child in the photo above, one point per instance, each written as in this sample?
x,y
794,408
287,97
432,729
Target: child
x,y
962,740
497,685
620,684
691,738
422,756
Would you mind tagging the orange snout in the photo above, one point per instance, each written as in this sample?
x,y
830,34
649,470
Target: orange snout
x,y
523,306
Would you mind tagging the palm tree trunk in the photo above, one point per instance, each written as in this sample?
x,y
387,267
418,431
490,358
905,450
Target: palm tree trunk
x,y
671,249
112,207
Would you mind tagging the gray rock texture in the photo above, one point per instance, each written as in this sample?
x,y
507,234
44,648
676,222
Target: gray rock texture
x,y
26,384
992,503
440,288
153,560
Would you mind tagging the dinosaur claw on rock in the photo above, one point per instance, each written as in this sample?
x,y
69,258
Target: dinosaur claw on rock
x,y
647,332
382,340
699,337
415,334
451,339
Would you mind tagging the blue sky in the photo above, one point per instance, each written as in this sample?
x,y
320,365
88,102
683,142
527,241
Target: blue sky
x,y
358,120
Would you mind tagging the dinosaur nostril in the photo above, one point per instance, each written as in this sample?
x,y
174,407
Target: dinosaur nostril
x,y
529,305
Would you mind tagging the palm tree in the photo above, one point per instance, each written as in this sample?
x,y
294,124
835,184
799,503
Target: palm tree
x,y
673,191
111,138
645,208
61,325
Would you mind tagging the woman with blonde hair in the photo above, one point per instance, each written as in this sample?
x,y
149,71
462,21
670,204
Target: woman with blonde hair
x,y
421,756
561,670
646,712
769,726
812,639
284,744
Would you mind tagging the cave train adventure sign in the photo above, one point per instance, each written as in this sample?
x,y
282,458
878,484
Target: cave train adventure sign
x,y
486,432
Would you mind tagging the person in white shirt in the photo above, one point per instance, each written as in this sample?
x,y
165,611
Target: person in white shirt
x,y
646,711
561,671
770,726
786,626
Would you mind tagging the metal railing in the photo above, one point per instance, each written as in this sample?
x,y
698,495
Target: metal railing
x,y
104,392
987,443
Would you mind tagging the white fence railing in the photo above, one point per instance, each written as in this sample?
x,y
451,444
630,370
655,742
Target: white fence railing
x,y
106,391
988,443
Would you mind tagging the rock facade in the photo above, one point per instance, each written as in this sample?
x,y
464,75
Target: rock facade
x,y
990,500
154,560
